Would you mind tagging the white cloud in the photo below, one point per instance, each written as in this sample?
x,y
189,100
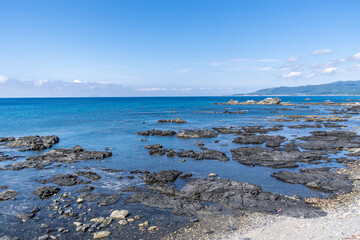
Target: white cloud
x,y
40,82
357,56
182,70
214,64
310,76
321,52
329,70
252,60
151,89
76,81
293,59
264,68
292,75
3,78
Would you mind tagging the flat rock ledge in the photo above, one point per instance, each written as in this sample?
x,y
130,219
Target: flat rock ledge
x,y
228,193
266,101
31,142
62,155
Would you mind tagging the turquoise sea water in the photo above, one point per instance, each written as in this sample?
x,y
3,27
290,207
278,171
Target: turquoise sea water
x,y
99,123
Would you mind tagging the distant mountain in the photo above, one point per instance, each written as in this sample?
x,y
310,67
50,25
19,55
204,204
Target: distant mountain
x,y
335,88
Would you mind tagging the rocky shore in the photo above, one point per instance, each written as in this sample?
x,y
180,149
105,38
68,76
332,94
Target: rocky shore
x,y
74,205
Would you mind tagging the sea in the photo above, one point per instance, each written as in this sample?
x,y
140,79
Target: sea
x,y
101,123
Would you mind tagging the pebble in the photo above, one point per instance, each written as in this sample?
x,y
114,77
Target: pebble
x,y
98,220
146,223
101,234
123,222
119,214
212,175
153,228
80,200
77,224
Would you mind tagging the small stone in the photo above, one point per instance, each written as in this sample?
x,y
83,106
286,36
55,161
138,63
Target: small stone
x,y
212,175
153,228
142,229
182,160
146,223
137,217
130,219
98,220
101,234
122,214
123,222
80,200
77,224
52,237
44,237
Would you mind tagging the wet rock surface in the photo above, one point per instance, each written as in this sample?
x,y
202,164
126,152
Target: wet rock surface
x,y
261,129
177,120
65,180
271,140
253,156
202,133
330,141
33,142
208,154
228,193
162,176
266,101
8,194
62,155
228,130
46,192
319,178
155,132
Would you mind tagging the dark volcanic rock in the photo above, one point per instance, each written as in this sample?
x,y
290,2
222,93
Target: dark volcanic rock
x,y
333,140
65,180
178,204
261,129
319,178
333,125
63,155
34,142
162,188
206,154
177,120
7,195
89,197
203,133
90,175
46,192
273,140
24,216
162,176
228,193
228,130
243,196
109,200
305,126
155,132
7,139
253,156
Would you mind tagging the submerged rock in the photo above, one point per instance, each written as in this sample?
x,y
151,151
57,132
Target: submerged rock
x,y
65,180
318,178
62,155
177,120
8,194
7,139
90,175
109,200
162,176
253,156
155,132
203,133
46,192
272,140
34,142
24,217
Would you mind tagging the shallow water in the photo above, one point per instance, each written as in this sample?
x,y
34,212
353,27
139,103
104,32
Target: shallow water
x,y
98,123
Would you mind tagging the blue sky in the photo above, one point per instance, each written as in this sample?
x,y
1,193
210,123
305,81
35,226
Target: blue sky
x,y
168,47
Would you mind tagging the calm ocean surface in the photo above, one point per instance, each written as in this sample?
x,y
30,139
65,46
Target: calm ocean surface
x,y
98,123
